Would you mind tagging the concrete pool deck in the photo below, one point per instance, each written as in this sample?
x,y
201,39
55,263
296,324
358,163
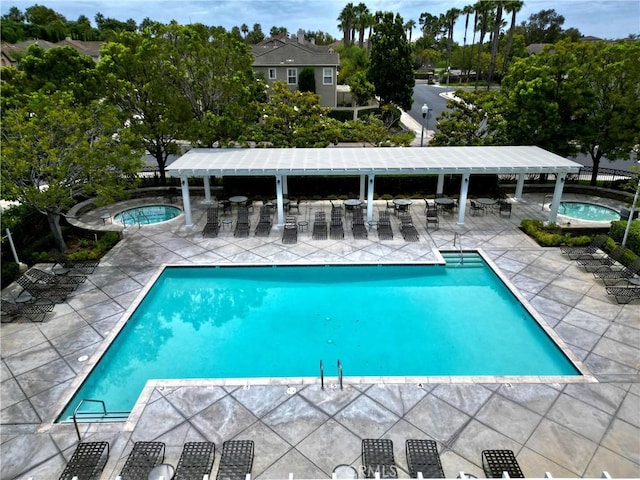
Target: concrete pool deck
x,y
569,430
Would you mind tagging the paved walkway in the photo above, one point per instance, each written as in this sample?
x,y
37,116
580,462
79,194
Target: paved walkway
x,y
570,430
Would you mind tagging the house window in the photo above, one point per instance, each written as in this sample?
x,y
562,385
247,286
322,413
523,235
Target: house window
x,y
292,76
327,76
272,74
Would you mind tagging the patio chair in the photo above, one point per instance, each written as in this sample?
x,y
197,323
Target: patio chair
x,y
196,461
142,459
432,217
56,293
236,460
36,311
625,294
87,461
592,263
295,205
407,228
575,252
422,456
336,211
496,462
504,208
290,231
610,275
377,457
212,227
476,208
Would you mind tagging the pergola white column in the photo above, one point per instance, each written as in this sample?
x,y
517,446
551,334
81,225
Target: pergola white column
x,y
370,198
440,186
285,185
557,196
520,186
363,183
279,198
186,202
462,201
207,189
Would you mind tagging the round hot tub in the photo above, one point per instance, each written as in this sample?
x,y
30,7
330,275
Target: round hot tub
x,y
147,215
588,212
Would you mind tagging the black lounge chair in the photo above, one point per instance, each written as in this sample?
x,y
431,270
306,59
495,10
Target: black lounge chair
x,y
625,294
290,231
319,226
336,230
407,228
142,459
212,227
377,456
422,456
264,222
611,275
196,461
87,461
243,226
384,226
57,293
496,462
575,252
65,266
236,460
593,263
35,311
51,279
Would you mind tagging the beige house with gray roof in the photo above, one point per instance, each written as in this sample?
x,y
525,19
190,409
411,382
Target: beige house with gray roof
x,y
282,59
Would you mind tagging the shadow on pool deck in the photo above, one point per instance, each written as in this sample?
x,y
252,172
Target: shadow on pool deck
x,y
569,430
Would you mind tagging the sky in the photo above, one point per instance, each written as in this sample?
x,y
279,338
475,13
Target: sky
x,y
607,19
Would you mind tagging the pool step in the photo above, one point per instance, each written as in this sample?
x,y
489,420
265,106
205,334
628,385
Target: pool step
x,y
462,259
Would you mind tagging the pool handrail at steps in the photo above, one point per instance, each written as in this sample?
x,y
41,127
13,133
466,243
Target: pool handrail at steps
x,y
96,416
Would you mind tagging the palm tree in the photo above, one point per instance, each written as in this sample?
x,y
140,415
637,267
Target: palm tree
x,y
361,13
244,28
409,26
346,18
466,11
450,20
483,10
513,6
495,39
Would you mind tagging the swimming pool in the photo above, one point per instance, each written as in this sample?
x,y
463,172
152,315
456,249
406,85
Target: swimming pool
x,y
591,212
147,215
280,321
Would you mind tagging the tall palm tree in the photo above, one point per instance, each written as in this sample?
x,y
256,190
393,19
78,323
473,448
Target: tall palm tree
x,y
244,28
450,20
409,26
497,4
513,6
361,14
483,10
346,18
466,11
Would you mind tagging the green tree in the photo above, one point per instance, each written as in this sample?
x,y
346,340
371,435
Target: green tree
x,y
54,149
294,119
141,81
390,67
307,80
216,78
353,59
255,35
473,119
362,90
543,27
347,19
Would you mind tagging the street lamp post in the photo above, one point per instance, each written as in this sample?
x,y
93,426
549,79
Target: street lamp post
x,y
425,120
631,213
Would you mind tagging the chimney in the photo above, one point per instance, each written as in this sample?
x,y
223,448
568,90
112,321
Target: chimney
x,y
301,36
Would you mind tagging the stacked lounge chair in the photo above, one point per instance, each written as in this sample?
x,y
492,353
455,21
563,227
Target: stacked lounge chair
x,y
423,458
357,227
142,459
625,294
36,310
196,461
407,228
290,231
576,252
236,460
212,227
87,461
264,222
38,290
320,226
496,462
242,223
384,226
377,457
612,275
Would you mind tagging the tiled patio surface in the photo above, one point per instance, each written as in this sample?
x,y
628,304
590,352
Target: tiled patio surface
x,y
569,430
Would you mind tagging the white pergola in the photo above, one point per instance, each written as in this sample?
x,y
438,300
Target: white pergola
x,y
366,163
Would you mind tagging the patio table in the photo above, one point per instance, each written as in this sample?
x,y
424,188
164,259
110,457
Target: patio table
x,y
487,202
238,199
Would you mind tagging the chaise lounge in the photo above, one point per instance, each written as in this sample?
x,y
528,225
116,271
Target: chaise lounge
x,y
142,459
35,310
423,458
496,462
87,461
377,457
196,461
236,460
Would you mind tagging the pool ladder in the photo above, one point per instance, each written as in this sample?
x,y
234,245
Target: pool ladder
x,y
457,237
339,375
96,416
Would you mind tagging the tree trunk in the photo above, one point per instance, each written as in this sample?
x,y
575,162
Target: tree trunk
x,y
161,159
56,231
596,165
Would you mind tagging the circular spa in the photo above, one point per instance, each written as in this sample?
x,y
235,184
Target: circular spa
x,y
147,215
588,212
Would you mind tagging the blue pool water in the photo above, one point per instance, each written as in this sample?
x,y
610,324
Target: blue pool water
x,y
146,215
383,320
588,211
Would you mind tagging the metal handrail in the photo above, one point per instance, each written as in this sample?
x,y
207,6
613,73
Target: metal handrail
x,y
340,374
321,375
141,214
92,415
458,237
